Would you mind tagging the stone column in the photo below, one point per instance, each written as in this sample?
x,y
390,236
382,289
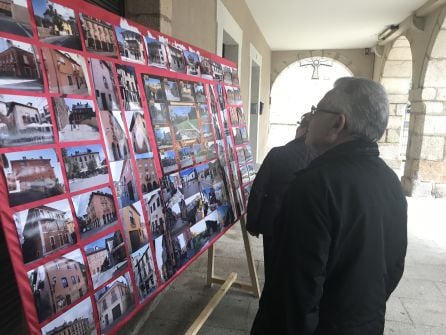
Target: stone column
x,y
425,170
154,14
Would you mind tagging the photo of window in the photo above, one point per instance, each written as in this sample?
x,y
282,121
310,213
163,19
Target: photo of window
x,y
24,121
66,72
106,257
58,284
148,177
85,166
32,175
76,119
144,270
19,66
15,18
99,36
95,211
56,24
128,87
45,229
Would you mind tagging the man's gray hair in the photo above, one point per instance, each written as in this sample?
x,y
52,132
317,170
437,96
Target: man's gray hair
x,y
365,105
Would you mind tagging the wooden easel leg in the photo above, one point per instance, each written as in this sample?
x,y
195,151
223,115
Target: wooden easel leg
x,y
251,265
204,315
210,272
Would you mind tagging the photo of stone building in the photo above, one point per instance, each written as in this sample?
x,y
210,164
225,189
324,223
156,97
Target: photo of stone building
x,y
99,36
114,301
76,119
76,321
148,177
128,87
58,284
104,84
124,180
85,166
144,270
156,52
32,175
45,229
56,24
176,59
24,121
130,45
19,66
138,132
106,257
154,208
66,72
135,230
114,135
95,211
14,18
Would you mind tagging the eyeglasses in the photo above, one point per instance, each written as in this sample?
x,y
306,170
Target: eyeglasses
x,y
315,109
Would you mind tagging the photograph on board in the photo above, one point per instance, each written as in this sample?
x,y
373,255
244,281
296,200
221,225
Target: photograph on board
x,y
24,121
176,59
155,210
156,52
58,284
114,301
185,123
128,86
186,91
171,89
99,36
144,270
56,24
32,175
199,92
19,66
159,114
104,84
154,88
206,68
76,119
14,18
148,178
163,137
106,257
124,180
130,44
168,160
114,135
66,72
137,127
45,229
86,166
78,320
192,63
134,224
95,211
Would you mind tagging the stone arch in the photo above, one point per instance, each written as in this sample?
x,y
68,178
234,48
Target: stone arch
x,y
396,77
294,91
425,170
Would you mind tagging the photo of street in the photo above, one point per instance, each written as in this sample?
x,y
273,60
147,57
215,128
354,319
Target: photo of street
x,y
14,18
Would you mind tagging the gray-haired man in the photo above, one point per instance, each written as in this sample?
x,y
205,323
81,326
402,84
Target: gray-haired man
x,y
340,243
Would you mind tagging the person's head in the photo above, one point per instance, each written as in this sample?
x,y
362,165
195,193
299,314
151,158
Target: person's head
x,y
354,108
302,125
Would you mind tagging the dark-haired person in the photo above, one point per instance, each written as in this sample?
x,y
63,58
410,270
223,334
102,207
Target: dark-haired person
x,y
271,182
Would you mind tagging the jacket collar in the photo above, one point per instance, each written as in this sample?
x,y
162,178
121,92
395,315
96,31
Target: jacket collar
x,y
353,148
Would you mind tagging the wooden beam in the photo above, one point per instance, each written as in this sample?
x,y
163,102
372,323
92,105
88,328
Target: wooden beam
x,y
204,315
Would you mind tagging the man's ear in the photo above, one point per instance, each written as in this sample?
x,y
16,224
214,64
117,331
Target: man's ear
x,y
339,123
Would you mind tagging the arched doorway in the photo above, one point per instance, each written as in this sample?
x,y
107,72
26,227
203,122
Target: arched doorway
x,y
298,87
396,77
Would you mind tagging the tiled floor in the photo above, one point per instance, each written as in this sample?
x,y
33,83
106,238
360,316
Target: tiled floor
x,y
418,306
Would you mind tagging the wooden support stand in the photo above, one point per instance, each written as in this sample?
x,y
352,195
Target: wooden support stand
x,y
228,282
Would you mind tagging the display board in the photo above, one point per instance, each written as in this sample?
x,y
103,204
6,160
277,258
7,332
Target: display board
x,y
124,156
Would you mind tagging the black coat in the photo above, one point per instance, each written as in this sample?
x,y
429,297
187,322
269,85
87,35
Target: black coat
x,y
272,180
339,247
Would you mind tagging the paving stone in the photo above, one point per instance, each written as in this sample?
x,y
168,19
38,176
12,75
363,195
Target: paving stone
x,y
395,311
426,313
418,289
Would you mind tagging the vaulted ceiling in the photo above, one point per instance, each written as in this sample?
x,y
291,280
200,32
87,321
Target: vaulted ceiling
x,y
327,24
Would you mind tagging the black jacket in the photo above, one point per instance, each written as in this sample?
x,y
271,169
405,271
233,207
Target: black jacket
x,y
272,180
339,247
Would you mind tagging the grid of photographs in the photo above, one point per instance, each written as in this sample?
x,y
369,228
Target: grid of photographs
x,y
114,178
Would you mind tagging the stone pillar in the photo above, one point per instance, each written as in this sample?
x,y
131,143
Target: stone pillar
x,y
425,170
154,14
